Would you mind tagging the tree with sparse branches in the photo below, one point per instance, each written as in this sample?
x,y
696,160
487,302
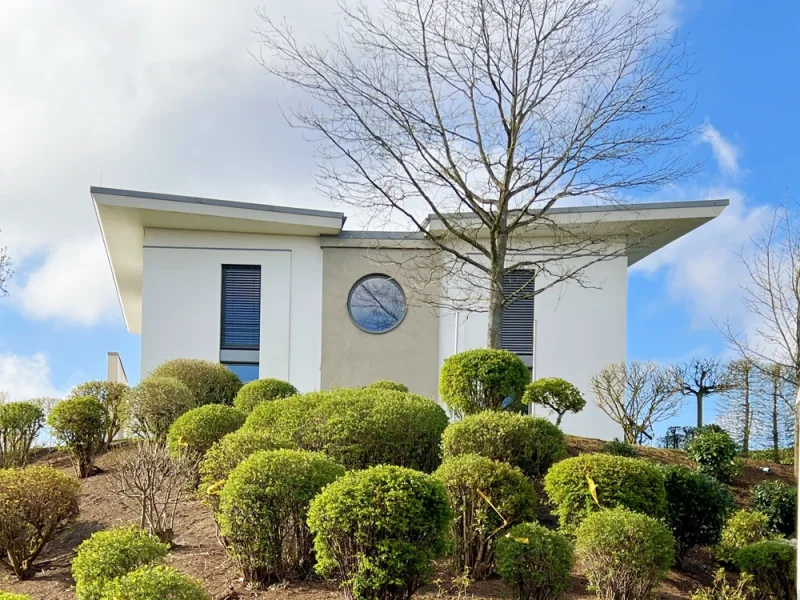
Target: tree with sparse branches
x,y
486,116
736,408
5,270
775,429
636,395
701,377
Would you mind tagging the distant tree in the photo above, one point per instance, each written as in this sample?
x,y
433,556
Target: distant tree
x,y
736,408
701,377
773,416
636,395
5,270
677,437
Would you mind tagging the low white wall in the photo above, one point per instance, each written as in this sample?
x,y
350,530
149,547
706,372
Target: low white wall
x,y
181,299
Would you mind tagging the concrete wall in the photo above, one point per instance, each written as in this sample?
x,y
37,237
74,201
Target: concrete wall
x,y
181,299
351,357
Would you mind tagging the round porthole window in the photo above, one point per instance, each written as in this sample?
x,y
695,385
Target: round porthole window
x,y
377,304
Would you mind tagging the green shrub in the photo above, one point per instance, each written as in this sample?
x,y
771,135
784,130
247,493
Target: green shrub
x,y
20,423
10,596
772,563
262,390
743,528
697,508
714,452
35,505
722,590
80,425
784,456
619,482
620,448
224,456
777,500
262,512
379,529
111,395
487,496
624,555
558,395
209,382
357,428
108,555
483,379
535,561
155,404
530,443
385,384
195,431
156,582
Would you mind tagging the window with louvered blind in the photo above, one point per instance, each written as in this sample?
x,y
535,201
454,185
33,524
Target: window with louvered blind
x,y
241,307
517,333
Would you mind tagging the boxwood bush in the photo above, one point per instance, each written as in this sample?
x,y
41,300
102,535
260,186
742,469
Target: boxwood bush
x,y
483,379
10,596
262,390
584,484
358,428
385,384
714,452
195,431
262,512
530,443
79,424
697,508
620,448
487,496
224,456
20,423
111,394
378,530
623,554
743,528
108,555
156,582
777,500
535,561
556,394
155,404
772,563
36,503
209,382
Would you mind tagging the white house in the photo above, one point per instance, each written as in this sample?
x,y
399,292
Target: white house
x,y
274,291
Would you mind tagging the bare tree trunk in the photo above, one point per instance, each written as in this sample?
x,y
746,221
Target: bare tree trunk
x,y
776,442
495,330
748,419
699,410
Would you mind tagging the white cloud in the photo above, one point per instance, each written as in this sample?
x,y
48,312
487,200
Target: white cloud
x,y
725,152
26,377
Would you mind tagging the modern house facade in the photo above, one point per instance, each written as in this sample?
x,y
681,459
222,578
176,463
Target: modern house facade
x,y
282,292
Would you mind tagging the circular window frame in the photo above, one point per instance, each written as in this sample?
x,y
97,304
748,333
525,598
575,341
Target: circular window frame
x,y
374,276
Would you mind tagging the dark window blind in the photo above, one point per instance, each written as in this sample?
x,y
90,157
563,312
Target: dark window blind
x,y
517,333
241,307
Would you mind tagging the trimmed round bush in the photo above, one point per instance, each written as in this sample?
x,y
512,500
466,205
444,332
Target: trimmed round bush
x,y
487,496
535,561
554,393
743,528
35,505
108,555
209,382
111,394
195,431
156,582
224,456
79,424
262,390
155,404
777,500
20,423
584,484
262,512
379,529
357,428
530,443
697,508
620,448
772,563
714,453
483,379
623,554
385,384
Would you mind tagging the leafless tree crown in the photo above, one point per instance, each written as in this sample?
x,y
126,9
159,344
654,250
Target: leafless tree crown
x,y
702,377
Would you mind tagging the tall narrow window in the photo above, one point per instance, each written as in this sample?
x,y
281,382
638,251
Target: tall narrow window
x,y
240,334
517,332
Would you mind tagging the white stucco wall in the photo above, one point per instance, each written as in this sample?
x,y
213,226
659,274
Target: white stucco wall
x,y
181,299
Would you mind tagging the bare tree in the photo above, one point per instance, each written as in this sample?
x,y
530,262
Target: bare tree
x,y
5,270
736,408
485,115
774,417
636,395
701,377
156,482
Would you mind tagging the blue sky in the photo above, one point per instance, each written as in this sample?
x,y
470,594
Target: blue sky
x,y
163,97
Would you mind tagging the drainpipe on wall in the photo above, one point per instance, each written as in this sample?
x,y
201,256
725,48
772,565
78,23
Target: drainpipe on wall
x,y
116,371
